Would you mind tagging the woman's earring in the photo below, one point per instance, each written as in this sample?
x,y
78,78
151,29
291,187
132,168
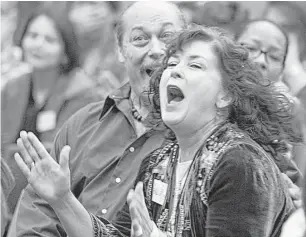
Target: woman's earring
x,y
221,113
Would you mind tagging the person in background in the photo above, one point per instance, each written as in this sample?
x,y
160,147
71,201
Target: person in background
x,y
291,15
214,179
268,48
228,15
94,24
7,185
109,140
54,88
10,54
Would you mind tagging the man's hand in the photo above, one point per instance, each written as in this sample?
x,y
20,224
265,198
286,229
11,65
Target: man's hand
x,y
50,180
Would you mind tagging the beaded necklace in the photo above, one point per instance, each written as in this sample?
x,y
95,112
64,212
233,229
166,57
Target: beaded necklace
x,y
136,114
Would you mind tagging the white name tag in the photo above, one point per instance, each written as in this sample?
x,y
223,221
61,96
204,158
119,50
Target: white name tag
x,y
46,121
159,192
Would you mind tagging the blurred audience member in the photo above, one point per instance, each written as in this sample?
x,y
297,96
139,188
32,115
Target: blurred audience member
x,y
227,15
189,9
94,24
268,47
10,55
8,22
292,17
42,99
7,184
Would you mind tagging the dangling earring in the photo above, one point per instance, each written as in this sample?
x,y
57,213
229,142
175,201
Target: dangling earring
x,y
221,113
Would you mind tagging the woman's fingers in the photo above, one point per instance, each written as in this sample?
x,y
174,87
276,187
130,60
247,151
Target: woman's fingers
x,y
294,190
64,158
137,230
23,151
295,193
142,207
22,165
135,217
28,146
138,208
38,146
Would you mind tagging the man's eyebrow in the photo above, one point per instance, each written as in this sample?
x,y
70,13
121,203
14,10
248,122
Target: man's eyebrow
x,y
165,24
138,28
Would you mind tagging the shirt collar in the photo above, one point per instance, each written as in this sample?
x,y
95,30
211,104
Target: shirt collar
x,y
119,98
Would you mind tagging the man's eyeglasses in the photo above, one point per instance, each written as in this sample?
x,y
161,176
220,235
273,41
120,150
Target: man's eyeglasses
x,y
270,57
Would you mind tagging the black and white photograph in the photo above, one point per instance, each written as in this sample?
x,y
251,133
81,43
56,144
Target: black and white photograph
x,y
153,118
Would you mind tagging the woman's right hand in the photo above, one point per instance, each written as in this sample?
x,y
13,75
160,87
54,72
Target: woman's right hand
x,y
50,180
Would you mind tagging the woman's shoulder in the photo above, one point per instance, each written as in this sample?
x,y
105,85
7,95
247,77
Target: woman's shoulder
x,y
235,147
17,81
16,86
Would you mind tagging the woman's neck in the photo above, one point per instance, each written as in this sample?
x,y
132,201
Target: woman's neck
x,y
44,80
43,83
191,142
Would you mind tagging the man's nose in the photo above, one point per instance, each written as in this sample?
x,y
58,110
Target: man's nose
x,y
158,48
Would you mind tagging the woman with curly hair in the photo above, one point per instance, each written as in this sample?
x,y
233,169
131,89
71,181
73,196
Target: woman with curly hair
x,y
214,178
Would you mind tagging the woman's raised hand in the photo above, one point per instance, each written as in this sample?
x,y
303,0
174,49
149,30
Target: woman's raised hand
x,y
142,224
50,180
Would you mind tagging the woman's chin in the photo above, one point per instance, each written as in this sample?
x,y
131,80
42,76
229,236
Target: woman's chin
x,y
171,121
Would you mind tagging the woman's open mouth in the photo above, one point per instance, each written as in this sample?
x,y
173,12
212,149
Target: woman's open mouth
x,y
174,93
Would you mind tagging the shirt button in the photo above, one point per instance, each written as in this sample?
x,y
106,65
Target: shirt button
x,y
132,149
104,211
118,180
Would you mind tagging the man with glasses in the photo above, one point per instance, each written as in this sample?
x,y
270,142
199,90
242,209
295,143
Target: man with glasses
x,y
268,46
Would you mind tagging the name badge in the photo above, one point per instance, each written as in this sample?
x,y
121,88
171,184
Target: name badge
x,y
46,121
159,192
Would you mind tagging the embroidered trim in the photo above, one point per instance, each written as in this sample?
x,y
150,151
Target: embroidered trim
x,y
216,146
102,230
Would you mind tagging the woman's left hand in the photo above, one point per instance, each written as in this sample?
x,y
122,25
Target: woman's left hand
x,y
142,225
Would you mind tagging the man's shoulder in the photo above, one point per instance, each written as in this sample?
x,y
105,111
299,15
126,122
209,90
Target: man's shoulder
x,y
85,116
302,94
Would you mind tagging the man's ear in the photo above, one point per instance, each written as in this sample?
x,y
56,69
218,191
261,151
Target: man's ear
x,y
121,57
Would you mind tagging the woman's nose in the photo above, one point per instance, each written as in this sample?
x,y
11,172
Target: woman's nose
x,y
39,41
176,72
261,61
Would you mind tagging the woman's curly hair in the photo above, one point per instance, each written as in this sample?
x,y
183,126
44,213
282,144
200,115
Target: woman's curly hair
x,y
257,107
